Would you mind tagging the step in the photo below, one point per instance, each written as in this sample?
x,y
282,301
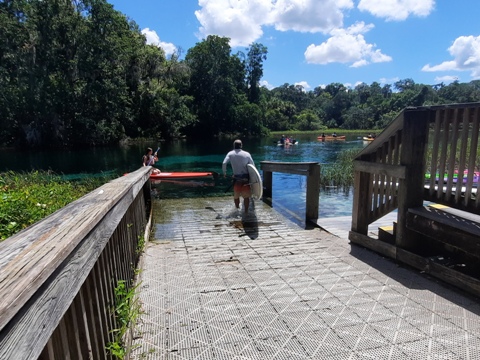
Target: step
x,y
387,234
447,225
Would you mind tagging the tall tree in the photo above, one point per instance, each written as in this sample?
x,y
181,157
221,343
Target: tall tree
x,y
216,82
257,54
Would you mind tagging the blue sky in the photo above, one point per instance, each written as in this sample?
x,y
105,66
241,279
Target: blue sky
x,y
318,42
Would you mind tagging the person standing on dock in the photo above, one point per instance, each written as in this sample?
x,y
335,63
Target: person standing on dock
x,y
239,159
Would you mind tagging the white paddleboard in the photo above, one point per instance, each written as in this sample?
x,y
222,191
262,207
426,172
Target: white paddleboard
x,y
256,184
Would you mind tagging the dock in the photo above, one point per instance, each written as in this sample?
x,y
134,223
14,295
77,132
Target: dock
x,y
218,284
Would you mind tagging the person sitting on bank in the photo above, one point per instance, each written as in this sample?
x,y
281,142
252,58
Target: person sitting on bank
x,y
149,160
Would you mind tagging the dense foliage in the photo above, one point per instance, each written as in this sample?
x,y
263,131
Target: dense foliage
x,y
29,197
79,73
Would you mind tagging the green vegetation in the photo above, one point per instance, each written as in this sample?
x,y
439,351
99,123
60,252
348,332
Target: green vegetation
x,y
79,73
127,311
29,197
339,174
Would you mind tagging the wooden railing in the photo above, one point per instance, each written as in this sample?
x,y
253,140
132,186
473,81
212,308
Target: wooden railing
x,y
309,169
57,277
419,144
454,154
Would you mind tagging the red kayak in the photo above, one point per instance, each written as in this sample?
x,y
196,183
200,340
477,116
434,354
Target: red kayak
x,y
183,175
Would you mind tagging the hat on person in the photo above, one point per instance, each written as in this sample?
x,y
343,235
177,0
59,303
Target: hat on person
x,y
237,144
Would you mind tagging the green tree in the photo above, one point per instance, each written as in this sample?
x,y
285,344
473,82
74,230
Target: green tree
x,y
257,53
216,83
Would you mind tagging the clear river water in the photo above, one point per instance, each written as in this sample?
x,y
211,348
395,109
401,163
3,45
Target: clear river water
x,y
289,191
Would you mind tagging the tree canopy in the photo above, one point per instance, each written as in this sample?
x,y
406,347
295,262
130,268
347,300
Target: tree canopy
x,y
79,73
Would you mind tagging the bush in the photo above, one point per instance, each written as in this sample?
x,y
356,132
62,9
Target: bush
x,y
29,197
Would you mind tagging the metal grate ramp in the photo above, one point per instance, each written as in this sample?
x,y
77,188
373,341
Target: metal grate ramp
x,y
217,284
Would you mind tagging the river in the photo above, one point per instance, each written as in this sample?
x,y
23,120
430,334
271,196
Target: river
x,y
201,155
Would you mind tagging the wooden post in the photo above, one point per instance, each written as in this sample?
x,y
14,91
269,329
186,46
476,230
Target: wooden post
x,y
410,194
267,184
313,193
362,200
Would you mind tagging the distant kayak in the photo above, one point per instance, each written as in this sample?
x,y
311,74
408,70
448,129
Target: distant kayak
x,y
475,177
366,138
279,143
330,137
183,175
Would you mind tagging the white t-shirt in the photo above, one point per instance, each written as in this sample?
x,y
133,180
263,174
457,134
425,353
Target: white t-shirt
x,y
239,159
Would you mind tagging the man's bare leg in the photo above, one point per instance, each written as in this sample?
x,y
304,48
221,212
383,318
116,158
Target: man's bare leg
x,y
246,203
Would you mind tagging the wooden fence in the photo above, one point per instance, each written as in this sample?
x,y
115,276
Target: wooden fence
x,y
57,277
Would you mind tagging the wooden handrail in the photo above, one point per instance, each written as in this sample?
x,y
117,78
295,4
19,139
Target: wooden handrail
x,y
74,255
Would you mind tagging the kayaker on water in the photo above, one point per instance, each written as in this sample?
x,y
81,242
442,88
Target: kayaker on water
x,y
239,159
149,160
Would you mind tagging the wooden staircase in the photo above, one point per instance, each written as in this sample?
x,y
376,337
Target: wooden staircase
x,y
399,171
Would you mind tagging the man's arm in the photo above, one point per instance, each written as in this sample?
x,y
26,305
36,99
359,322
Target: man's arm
x,y
224,165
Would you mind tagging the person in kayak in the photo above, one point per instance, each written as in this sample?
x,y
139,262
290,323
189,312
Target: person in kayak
x,y
149,160
238,160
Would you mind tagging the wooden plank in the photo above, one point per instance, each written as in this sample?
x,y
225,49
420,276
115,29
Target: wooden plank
x,y
395,126
455,278
411,259
297,168
106,280
373,244
472,156
28,258
463,154
443,152
313,193
397,171
410,193
439,271
435,148
27,334
90,307
452,156
447,228
361,207
73,330
81,329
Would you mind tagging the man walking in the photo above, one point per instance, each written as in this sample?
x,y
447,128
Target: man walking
x,y
239,159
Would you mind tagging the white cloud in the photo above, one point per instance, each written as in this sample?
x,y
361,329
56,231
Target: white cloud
x,y
243,20
309,15
466,53
266,84
154,39
389,81
446,79
397,10
346,46
303,84
240,20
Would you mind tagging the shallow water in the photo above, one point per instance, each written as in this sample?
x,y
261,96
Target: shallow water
x,y
289,191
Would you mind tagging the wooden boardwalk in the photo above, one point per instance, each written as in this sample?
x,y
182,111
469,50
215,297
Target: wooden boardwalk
x,y
217,284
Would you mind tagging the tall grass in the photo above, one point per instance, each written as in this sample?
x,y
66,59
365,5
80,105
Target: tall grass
x,y
28,197
340,173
